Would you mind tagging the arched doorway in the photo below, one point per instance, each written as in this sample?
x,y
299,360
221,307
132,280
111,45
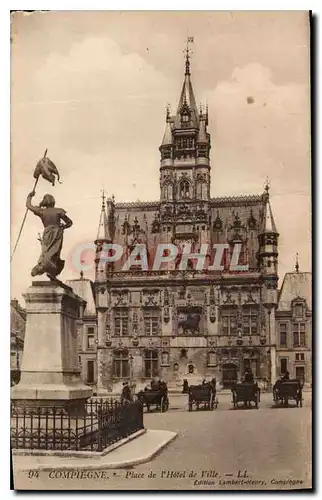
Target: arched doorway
x,y
229,374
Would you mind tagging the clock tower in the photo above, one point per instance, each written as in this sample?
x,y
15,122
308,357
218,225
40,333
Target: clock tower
x,y
185,171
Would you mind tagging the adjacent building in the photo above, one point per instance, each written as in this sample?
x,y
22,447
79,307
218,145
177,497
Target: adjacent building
x,y
294,326
17,335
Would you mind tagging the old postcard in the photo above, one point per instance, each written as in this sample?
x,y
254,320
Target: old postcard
x,y
161,308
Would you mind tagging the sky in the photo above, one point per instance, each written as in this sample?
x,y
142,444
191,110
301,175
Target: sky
x,y
93,87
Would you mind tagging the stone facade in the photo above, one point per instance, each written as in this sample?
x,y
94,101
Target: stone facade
x,y
199,322
294,326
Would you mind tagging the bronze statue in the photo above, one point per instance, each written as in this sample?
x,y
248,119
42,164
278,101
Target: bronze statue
x,y
52,239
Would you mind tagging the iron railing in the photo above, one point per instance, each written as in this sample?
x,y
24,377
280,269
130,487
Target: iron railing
x,y
103,423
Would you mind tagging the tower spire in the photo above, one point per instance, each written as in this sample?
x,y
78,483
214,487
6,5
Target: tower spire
x,y
188,52
187,110
297,267
101,233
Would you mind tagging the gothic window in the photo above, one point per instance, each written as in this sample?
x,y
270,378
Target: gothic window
x,y
199,190
283,334
250,321
298,334
190,369
229,321
121,322
121,366
151,362
190,142
151,321
184,189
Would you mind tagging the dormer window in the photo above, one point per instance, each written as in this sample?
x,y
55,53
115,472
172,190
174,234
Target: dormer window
x,y
185,118
298,310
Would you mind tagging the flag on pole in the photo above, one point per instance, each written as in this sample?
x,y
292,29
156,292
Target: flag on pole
x,y
47,169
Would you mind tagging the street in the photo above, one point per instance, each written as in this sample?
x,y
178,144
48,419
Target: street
x,y
268,448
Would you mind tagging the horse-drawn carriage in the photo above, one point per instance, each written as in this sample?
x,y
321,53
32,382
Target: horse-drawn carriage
x,y
284,390
203,395
245,392
157,397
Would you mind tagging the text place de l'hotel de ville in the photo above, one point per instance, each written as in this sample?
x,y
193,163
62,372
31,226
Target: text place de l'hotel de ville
x,y
192,324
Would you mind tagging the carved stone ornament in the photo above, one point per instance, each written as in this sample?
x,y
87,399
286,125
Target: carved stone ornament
x,y
166,315
212,314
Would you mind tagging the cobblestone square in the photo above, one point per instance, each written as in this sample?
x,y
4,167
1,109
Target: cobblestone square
x,y
268,448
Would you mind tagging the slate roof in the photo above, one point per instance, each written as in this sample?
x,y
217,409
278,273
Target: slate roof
x,y
85,289
296,284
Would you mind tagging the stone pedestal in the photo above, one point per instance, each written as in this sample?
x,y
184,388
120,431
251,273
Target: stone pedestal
x,y
50,372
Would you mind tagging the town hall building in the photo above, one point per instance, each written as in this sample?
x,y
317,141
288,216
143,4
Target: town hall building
x,y
195,323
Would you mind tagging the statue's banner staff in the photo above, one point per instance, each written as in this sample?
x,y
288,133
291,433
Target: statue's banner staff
x,y
46,169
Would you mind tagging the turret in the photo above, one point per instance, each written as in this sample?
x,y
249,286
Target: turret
x,y
105,235
268,244
166,148
203,140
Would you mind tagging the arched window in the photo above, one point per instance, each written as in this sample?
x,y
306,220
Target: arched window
x,y
121,367
184,189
